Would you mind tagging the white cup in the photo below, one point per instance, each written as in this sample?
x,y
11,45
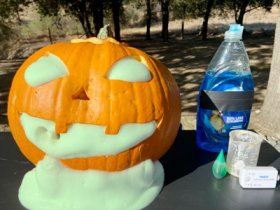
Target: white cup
x,y
243,150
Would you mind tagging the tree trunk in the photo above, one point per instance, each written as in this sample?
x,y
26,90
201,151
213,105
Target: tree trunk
x,y
242,12
184,8
18,16
88,26
165,19
204,28
268,121
98,15
50,36
183,29
88,33
235,9
116,5
148,19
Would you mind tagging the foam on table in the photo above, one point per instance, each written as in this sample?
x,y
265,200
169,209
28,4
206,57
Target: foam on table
x,y
52,186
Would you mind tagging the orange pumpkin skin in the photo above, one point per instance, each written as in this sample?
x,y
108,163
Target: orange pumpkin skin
x,y
111,102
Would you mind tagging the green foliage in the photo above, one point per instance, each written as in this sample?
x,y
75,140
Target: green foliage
x,y
251,4
70,7
5,32
188,9
48,7
81,10
10,9
240,7
179,9
8,40
183,9
9,12
4,10
132,13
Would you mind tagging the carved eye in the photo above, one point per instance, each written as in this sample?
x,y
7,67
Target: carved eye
x,y
130,70
45,69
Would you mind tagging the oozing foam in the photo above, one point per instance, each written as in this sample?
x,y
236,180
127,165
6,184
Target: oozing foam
x,y
52,186
130,70
50,67
45,69
83,140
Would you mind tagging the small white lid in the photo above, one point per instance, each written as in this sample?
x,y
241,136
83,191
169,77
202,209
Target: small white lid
x,y
235,32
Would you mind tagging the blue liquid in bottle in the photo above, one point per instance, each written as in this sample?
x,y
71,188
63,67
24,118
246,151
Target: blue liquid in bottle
x,y
229,72
213,126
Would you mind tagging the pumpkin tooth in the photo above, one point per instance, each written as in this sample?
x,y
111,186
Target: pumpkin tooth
x,y
60,127
112,129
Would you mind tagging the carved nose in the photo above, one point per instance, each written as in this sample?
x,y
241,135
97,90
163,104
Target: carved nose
x,y
80,95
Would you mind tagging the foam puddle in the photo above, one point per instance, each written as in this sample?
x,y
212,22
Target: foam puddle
x,y
52,186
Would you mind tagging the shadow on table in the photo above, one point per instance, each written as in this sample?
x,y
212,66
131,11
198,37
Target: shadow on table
x,y
181,159
184,156
13,166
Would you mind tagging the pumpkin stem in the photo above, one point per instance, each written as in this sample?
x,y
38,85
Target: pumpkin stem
x,y
105,32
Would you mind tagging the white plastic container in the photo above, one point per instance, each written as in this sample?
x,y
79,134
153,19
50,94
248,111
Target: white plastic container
x,y
244,148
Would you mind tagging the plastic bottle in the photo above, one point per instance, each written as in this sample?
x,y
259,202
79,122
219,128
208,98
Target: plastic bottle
x,y
226,93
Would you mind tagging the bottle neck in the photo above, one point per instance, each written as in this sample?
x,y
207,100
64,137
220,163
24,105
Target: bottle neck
x,y
232,40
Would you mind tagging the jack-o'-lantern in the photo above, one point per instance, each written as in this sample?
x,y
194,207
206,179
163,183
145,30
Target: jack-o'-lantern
x,y
93,104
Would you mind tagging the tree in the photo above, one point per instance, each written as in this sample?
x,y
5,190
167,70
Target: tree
x,y
10,12
149,6
148,19
241,7
98,16
82,10
194,9
204,27
11,9
180,8
268,121
116,10
165,18
203,8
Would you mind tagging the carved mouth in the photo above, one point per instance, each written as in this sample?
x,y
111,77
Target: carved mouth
x,y
83,140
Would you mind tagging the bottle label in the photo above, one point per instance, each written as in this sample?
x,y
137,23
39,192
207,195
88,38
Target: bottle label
x,y
238,119
223,111
226,100
223,122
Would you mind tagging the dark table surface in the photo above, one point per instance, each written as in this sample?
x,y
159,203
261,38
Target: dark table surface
x,y
189,183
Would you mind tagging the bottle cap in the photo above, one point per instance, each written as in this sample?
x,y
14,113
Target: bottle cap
x,y
235,32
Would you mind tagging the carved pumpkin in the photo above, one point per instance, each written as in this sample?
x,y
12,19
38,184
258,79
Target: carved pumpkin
x,y
93,104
